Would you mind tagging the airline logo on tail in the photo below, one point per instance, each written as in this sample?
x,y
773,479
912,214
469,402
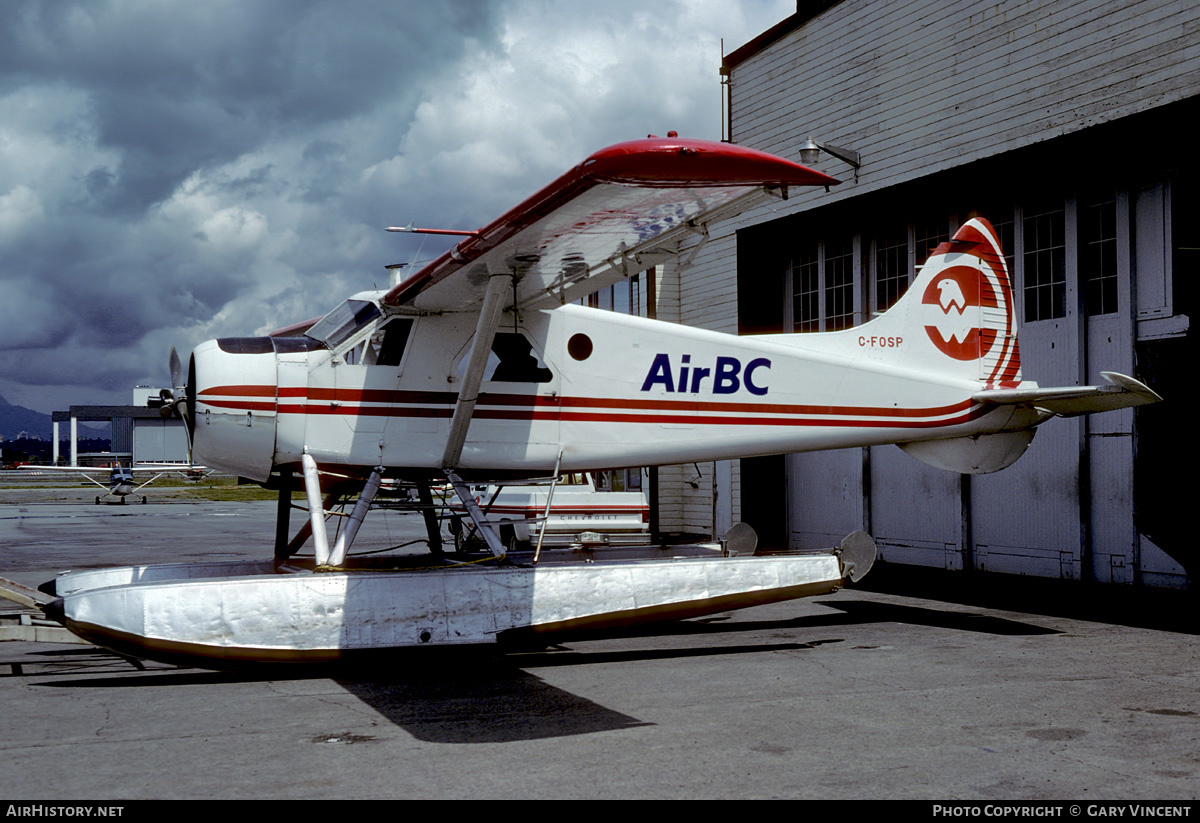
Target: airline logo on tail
x,y
955,296
967,308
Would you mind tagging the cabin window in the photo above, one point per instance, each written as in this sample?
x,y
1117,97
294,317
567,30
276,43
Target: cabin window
x,y
388,344
513,360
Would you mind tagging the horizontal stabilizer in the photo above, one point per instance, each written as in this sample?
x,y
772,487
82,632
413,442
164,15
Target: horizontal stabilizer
x,y
1123,392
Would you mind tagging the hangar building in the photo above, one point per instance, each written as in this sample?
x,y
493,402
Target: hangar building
x,y
1070,126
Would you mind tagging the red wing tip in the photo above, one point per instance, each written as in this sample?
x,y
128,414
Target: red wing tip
x,y
691,162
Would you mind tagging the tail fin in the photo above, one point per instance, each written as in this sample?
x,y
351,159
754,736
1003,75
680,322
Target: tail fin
x,y
958,316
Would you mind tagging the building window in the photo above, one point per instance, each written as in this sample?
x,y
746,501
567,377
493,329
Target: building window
x,y
839,283
806,289
1098,256
625,297
891,267
928,235
602,299
1045,264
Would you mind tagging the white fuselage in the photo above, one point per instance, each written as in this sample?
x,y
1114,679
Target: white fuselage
x,y
604,390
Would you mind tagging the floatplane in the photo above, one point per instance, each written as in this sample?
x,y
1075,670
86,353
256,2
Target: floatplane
x,y
481,365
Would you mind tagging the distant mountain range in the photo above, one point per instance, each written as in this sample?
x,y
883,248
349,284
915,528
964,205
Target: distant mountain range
x,y
17,419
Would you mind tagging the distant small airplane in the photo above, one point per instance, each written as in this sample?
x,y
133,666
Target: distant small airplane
x,y
121,480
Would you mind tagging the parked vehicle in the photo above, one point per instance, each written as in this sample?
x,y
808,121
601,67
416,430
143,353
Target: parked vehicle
x,y
587,508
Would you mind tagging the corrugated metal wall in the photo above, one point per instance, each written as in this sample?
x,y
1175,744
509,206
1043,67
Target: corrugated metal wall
x,y
925,86
921,89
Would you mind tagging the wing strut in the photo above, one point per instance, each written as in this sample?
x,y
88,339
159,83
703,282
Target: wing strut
x,y
499,286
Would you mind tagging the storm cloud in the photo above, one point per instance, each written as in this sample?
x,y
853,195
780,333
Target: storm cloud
x,y
174,171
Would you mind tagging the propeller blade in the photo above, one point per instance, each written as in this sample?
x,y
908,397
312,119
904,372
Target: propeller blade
x,y
176,369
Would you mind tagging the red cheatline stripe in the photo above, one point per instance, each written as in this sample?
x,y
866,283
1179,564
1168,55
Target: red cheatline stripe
x,y
364,411
245,391
546,402
617,417
749,408
775,421
613,410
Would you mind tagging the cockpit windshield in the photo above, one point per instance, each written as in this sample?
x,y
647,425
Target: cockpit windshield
x,y
341,323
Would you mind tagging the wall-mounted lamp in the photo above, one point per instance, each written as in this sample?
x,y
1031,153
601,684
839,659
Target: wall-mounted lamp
x,y
811,150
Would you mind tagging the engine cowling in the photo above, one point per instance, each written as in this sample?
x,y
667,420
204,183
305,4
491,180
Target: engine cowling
x,y
235,405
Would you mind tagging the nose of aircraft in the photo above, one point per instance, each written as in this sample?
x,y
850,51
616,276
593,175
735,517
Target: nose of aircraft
x,y
233,382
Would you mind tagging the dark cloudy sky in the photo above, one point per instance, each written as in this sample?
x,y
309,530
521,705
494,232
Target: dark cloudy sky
x,y
175,171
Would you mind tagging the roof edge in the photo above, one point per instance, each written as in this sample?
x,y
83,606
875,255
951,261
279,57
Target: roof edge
x,y
806,10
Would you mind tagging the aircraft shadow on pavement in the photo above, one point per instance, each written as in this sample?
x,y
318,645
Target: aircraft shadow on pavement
x,y
464,697
486,700
436,695
440,698
442,703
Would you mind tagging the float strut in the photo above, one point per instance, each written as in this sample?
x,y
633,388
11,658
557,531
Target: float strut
x,y
316,511
283,513
338,556
305,531
432,526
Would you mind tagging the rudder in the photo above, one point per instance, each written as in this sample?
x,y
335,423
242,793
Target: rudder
x,y
958,317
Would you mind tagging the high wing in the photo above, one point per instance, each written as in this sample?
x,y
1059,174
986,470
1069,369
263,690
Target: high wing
x,y
611,216
616,213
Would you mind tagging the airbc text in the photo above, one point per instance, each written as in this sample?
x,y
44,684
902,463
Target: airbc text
x,y
725,376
